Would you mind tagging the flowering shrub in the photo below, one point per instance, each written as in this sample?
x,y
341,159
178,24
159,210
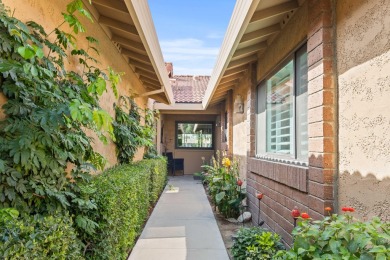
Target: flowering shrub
x,y
255,243
224,186
339,237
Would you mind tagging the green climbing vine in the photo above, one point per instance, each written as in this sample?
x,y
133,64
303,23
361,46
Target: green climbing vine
x,y
48,109
129,132
151,117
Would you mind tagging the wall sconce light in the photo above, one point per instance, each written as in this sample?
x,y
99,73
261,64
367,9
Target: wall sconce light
x,y
218,121
238,105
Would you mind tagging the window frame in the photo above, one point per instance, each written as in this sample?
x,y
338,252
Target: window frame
x,y
212,123
291,157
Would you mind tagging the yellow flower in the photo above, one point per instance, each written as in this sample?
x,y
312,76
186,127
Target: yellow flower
x,y
226,162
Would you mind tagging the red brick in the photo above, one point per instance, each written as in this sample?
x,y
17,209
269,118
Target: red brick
x,y
322,191
287,237
323,35
300,197
319,19
321,113
315,55
291,203
324,81
318,204
315,215
320,98
303,179
284,223
321,144
322,160
321,129
321,175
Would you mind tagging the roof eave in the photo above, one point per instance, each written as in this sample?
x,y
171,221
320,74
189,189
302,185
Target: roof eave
x,y
140,13
239,21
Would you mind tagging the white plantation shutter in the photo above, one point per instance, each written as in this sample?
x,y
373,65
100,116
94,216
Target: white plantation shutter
x,y
282,111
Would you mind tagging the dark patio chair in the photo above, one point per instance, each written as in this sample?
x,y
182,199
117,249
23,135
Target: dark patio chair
x,y
174,164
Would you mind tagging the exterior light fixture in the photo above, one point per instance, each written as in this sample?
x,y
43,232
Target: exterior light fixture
x,y
238,105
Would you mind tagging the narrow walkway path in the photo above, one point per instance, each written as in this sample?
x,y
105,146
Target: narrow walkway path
x,y
181,227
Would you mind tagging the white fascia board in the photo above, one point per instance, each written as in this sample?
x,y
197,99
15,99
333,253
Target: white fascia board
x,y
178,106
242,13
140,13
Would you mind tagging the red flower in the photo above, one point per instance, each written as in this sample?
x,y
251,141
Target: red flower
x,y
328,209
295,212
305,215
239,182
346,209
259,196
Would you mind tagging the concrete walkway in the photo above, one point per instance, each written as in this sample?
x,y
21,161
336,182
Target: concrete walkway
x,y
181,227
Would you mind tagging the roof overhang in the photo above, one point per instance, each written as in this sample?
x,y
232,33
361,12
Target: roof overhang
x,y
253,26
179,106
129,25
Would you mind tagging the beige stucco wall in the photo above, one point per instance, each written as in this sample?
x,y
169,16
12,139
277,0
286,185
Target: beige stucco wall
x,y
241,125
363,54
192,158
48,14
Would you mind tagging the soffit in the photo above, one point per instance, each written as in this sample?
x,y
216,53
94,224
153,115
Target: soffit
x,y
252,28
129,25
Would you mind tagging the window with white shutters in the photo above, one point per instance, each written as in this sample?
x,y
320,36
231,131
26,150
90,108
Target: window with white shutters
x,y
282,110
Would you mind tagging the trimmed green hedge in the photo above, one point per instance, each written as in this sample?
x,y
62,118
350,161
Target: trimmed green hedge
x,y
124,195
38,237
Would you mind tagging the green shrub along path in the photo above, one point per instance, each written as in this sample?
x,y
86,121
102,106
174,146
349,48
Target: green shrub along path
x,y
123,196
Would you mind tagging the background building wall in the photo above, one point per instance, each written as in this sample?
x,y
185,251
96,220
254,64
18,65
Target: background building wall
x,y
192,157
48,14
363,51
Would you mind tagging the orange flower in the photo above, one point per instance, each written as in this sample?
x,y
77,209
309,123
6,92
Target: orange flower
x,y
304,215
239,182
226,162
259,196
328,209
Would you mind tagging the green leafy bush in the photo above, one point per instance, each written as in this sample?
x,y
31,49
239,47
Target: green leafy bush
x,y
255,243
37,237
221,178
123,195
340,237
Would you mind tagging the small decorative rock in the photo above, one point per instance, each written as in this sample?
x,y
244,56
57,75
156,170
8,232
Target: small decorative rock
x,y
244,217
232,220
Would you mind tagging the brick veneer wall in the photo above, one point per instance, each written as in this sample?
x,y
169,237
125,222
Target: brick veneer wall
x,y
309,188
